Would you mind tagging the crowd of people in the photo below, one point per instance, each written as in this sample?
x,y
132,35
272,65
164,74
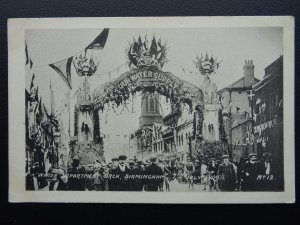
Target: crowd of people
x,y
155,175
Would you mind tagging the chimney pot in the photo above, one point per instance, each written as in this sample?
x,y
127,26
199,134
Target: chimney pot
x,y
248,73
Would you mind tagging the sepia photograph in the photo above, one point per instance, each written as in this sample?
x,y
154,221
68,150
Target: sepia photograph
x,y
190,107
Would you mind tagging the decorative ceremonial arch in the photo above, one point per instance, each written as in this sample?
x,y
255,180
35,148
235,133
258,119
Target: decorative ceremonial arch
x,y
150,80
146,75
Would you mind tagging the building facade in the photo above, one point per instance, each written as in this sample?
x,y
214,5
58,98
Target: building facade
x,y
236,103
268,118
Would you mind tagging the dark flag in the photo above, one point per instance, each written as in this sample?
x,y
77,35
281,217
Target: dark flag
x,y
31,84
237,109
99,41
37,94
26,53
63,68
31,63
153,47
140,43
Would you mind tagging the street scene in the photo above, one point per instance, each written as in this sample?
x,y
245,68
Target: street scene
x,y
158,110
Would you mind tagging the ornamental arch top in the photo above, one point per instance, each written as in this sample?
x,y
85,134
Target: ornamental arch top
x,y
150,80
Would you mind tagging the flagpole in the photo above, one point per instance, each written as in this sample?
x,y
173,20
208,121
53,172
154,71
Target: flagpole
x,y
69,131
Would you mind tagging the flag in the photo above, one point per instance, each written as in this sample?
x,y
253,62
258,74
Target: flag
x,y
237,109
37,94
26,53
153,47
63,68
99,41
32,79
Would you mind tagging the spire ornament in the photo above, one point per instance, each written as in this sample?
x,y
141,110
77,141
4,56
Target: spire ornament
x,y
207,65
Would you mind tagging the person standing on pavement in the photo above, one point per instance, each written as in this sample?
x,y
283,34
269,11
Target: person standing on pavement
x,y
252,170
119,182
154,175
213,170
76,183
98,179
190,171
204,175
227,175
138,182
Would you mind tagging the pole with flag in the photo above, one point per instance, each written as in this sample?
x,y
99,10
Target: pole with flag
x,y
63,67
84,65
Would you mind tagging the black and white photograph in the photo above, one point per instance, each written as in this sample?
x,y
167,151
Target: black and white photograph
x,y
195,110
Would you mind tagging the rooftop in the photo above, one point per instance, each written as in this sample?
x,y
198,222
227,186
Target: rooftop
x,y
239,84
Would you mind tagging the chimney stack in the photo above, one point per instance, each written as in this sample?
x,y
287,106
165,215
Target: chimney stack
x,y
248,73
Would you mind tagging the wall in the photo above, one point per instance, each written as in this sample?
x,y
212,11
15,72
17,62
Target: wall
x,y
210,128
238,98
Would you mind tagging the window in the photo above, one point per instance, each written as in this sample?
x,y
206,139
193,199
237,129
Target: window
x,y
151,103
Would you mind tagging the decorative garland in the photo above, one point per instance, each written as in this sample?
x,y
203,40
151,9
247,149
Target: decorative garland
x,y
211,149
112,93
222,133
199,111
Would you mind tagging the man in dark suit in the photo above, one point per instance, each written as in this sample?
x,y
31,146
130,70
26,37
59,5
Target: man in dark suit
x,y
76,183
227,175
252,170
118,181
138,181
155,175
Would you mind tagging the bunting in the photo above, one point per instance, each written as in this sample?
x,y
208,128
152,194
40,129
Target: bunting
x,y
99,41
63,68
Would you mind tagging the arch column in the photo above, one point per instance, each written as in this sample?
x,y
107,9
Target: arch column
x,y
96,135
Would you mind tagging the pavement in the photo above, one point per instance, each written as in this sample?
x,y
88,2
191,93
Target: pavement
x,y
175,186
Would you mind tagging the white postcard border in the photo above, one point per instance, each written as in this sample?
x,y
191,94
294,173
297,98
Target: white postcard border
x,y
16,96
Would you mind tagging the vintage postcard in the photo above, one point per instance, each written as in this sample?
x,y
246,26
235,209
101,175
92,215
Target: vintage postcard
x,y
151,110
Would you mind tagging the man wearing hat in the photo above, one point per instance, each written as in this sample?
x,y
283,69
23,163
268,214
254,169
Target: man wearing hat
x,y
118,181
227,175
138,182
251,171
115,162
153,170
76,183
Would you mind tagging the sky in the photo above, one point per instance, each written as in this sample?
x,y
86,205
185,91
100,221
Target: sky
x,y
232,46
